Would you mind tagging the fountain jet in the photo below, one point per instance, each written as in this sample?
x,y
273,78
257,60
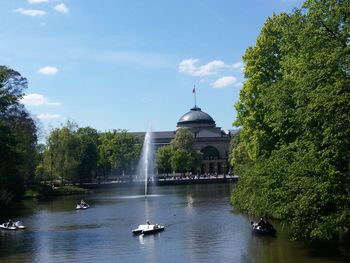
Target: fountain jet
x,y
146,163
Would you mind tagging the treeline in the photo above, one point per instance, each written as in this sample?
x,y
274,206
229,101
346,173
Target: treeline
x,y
71,154
79,155
293,152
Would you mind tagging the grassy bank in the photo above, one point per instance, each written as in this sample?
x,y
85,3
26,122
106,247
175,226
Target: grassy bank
x,y
47,190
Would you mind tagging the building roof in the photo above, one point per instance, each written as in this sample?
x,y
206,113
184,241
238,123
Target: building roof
x,y
196,117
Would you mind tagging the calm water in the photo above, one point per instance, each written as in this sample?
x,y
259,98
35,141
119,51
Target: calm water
x,y
200,227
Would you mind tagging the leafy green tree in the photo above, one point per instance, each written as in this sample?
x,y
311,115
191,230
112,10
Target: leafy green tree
x,y
17,137
12,85
239,158
88,139
181,161
293,110
197,161
172,156
163,159
39,169
184,140
61,160
118,151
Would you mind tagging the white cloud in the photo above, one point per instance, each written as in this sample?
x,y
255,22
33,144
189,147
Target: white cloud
x,y
237,65
47,116
37,1
48,70
62,8
35,99
30,12
224,81
188,66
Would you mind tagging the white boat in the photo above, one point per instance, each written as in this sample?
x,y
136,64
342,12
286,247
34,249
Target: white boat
x,y
82,206
5,226
19,225
13,225
148,229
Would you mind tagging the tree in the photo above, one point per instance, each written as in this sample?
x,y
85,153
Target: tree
x,y
88,140
181,161
118,150
184,140
61,160
12,85
179,152
197,161
163,159
239,158
293,110
17,137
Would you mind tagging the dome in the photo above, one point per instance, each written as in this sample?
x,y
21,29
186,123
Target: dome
x,y
196,117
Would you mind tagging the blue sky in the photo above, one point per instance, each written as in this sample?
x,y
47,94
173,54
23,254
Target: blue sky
x,y
113,64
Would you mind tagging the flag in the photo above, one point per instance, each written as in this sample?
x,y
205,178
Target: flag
x,y
194,90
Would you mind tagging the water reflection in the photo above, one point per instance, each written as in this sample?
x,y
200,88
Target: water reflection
x,y
200,227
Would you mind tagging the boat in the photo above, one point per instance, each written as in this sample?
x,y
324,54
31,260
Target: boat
x,y
148,229
7,227
19,225
268,230
82,206
12,225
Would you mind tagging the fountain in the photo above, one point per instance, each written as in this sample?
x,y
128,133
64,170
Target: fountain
x,y
146,163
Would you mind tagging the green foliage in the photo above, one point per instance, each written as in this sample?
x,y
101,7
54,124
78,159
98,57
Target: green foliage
x,y
239,158
294,112
61,159
17,137
179,155
88,140
75,154
183,140
163,159
71,190
181,160
119,151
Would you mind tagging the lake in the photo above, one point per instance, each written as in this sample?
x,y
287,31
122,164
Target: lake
x,y
200,227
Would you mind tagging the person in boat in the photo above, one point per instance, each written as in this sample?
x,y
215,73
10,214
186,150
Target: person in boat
x,y
262,223
82,202
9,223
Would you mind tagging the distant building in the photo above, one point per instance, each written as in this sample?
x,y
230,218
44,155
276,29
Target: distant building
x,y
210,140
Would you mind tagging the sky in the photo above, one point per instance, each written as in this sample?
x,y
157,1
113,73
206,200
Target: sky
x,y
129,64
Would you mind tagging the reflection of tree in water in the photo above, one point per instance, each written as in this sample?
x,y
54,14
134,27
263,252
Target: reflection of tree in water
x,y
265,249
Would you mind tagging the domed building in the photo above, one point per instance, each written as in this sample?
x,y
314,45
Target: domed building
x,y
196,119
210,140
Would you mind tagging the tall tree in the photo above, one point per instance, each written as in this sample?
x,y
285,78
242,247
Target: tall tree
x,y
119,150
61,159
181,161
184,140
17,137
88,140
174,155
296,128
163,159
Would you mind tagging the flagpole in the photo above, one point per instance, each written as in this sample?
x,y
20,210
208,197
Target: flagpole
x,y
194,93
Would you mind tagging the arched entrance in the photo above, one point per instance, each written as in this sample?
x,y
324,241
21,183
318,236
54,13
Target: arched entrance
x,y
211,157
